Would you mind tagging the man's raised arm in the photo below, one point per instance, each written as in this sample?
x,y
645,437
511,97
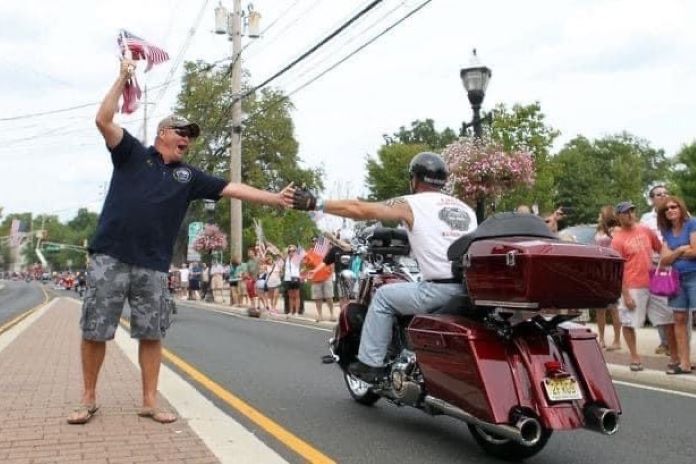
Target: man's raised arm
x,y
112,132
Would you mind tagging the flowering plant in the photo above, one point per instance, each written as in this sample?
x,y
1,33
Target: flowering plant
x,y
480,168
211,238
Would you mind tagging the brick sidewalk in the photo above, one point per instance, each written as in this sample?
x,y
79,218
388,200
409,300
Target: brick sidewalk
x,y
41,382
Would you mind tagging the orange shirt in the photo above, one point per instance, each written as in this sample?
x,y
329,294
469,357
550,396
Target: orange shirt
x,y
636,246
313,259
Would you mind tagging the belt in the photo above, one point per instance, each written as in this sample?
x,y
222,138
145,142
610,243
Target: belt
x,y
444,281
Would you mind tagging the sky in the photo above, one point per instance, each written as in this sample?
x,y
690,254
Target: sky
x,y
597,67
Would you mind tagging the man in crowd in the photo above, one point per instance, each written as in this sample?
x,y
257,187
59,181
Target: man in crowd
x,y
657,196
636,244
433,221
131,251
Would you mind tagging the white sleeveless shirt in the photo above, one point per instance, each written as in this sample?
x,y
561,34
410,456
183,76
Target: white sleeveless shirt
x,y
438,220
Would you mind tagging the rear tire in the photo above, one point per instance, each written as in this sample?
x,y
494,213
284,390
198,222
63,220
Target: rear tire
x,y
359,390
505,448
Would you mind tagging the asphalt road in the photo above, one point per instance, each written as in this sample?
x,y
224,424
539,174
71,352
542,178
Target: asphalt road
x,y
275,367
17,297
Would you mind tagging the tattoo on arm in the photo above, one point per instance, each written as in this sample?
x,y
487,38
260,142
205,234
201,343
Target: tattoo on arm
x,y
394,202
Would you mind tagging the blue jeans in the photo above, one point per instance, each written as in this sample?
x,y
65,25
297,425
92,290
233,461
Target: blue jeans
x,y
398,299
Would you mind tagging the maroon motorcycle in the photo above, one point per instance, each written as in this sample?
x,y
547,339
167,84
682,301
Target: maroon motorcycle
x,y
505,356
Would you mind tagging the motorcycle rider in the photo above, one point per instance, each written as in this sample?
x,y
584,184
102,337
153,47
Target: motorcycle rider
x,y
433,221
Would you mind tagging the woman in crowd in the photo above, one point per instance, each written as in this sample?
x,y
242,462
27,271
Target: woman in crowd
x,y
234,276
291,280
679,250
605,225
274,266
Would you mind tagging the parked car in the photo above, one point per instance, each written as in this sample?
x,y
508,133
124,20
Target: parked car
x,y
581,233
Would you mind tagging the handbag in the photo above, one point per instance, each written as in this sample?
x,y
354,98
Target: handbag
x,y
664,281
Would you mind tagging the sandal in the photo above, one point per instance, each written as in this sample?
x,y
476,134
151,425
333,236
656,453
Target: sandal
x,y
613,347
158,415
636,367
82,413
677,370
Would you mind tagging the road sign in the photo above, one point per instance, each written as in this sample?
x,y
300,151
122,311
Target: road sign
x,y
194,229
52,248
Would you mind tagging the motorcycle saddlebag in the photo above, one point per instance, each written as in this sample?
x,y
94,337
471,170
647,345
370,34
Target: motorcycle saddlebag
x,y
536,273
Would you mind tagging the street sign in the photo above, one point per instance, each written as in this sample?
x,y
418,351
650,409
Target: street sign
x,y
194,229
52,248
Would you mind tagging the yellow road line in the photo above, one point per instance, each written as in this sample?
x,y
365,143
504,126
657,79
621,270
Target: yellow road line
x,y
8,325
286,437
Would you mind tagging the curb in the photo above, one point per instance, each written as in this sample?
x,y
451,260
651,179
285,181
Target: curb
x,y
280,317
654,378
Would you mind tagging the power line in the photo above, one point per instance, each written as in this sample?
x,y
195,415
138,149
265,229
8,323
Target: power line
x,y
311,50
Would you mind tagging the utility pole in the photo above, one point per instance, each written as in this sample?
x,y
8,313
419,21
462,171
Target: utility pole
x,y
231,25
236,135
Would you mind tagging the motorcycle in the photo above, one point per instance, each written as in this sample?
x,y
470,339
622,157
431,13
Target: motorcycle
x,y
504,357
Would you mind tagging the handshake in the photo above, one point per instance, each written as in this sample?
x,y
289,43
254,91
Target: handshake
x,y
304,200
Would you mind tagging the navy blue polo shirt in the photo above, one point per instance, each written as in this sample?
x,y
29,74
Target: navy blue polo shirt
x,y
146,203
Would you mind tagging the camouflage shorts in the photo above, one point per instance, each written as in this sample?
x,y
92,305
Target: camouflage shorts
x,y
109,284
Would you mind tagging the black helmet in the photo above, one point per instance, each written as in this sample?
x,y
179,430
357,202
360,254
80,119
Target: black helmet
x,y
429,168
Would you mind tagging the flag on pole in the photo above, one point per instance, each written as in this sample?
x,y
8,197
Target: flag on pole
x,y
135,48
141,49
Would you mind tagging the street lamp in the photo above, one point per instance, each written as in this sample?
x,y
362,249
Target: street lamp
x,y
209,206
475,79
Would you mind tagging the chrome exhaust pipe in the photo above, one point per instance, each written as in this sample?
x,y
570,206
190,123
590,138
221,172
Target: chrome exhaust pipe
x,y
601,420
526,430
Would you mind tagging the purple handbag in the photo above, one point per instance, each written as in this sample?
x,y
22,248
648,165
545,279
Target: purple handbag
x,y
664,281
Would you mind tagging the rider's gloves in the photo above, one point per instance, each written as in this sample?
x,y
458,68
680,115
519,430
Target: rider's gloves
x,y
304,200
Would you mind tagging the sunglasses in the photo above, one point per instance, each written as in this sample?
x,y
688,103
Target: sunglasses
x,y
183,132
661,194
670,207
291,249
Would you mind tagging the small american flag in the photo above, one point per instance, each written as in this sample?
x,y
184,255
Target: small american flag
x,y
141,50
133,47
321,246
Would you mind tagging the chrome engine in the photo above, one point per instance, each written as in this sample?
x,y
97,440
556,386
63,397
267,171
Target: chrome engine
x,y
406,380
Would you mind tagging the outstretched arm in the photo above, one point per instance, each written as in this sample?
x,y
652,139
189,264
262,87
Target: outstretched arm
x,y
248,193
112,132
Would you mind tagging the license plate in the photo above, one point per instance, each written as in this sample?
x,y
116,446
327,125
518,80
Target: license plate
x,y
562,389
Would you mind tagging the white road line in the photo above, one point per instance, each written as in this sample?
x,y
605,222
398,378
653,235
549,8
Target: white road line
x,y
657,389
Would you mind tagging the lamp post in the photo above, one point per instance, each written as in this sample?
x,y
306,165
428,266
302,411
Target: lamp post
x,y
475,79
209,206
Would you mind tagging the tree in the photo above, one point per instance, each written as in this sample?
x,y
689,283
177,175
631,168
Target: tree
x,y
684,175
423,133
523,127
269,150
590,174
387,174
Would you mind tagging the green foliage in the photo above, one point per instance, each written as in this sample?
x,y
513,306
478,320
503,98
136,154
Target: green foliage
x,y
423,133
387,175
523,127
591,174
684,175
269,152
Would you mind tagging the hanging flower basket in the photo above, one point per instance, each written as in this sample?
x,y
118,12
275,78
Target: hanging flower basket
x,y
481,168
211,238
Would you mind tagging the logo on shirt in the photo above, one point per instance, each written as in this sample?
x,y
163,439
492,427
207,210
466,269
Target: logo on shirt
x,y
456,218
182,175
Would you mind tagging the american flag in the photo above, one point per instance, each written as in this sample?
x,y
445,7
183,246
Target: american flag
x,y
321,246
15,237
141,50
135,48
